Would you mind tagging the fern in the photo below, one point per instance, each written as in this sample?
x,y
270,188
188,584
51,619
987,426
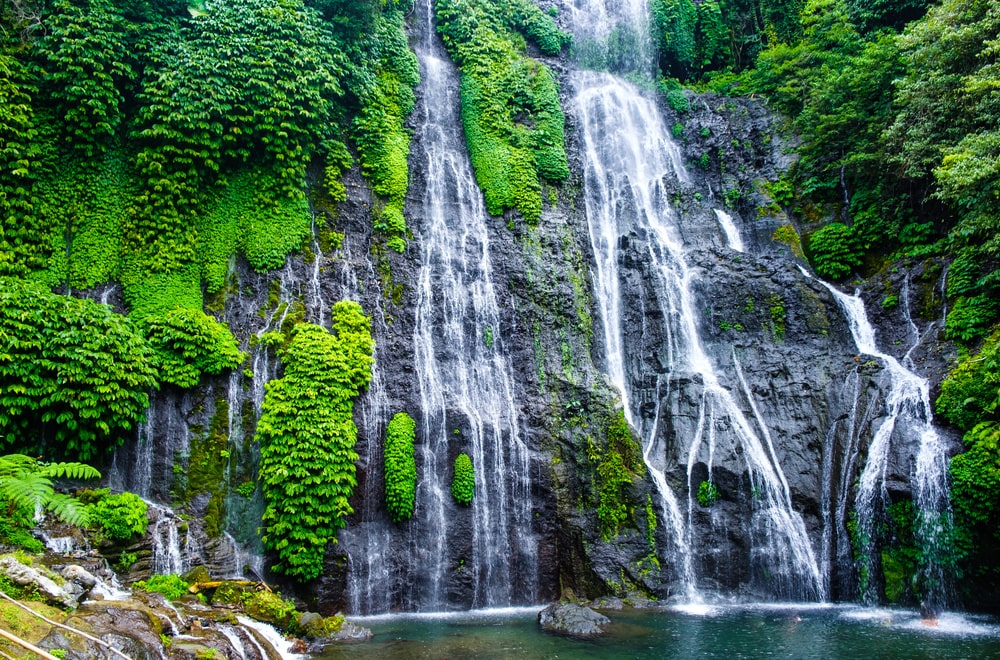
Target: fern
x,y
25,482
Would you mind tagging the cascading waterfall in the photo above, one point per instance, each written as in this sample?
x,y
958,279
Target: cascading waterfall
x,y
629,157
907,419
464,378
371,578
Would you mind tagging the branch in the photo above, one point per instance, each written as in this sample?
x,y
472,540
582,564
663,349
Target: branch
x,y
96,640
26,645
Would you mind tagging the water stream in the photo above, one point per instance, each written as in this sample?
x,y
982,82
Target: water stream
x,y
906,421
463,375
630,159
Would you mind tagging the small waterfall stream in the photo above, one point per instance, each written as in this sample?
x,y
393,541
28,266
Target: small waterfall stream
x,y
907,420
629,157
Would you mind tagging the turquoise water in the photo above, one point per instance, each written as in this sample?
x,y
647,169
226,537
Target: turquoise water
x,y
751,631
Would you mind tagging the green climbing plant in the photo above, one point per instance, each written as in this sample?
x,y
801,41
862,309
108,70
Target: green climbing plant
x,y
514,124
463,483
74,376
400,467
307,437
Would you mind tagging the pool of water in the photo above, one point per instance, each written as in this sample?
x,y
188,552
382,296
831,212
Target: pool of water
x,y
744,631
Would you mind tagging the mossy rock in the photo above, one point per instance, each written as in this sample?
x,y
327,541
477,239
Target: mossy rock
x,y
269,607
196,575
230,593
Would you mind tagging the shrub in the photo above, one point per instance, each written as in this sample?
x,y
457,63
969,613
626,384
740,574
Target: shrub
x,y
171,586
834,251
119,517
188,343
71,371
400,467
708,493
463,483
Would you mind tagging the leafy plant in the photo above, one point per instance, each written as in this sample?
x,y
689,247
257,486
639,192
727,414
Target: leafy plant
x,y
171,586
71,372
834,251
514,124
708,493
400,467
120,516
463,483
26,484
189,343
307,438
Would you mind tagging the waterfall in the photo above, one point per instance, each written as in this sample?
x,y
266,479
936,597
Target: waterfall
x,y
733,238
907,420
463,375
629,161
372,578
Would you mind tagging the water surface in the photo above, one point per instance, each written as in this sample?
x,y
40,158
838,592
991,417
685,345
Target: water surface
x,y
750,631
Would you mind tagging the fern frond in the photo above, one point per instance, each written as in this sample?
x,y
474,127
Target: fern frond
x,y
11,464
69,471
68,509
29,488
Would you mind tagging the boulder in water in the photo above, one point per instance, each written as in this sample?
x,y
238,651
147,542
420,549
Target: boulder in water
x,y
573,620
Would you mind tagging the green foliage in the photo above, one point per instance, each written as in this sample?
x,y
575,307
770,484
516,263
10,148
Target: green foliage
x,y
400,467
833,251
970,399
85,206
89,64
202,112
970,394
617,465
776,307
26,486
307,438
74,376
514,125
383,142
676,22
708,494
463,482
171,586
119,517
188,343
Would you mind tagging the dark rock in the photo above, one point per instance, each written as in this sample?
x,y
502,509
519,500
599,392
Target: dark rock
x,y
573,620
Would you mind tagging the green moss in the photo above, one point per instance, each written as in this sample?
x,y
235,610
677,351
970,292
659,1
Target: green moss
x,y
269,607
617,464
206,472
786,234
